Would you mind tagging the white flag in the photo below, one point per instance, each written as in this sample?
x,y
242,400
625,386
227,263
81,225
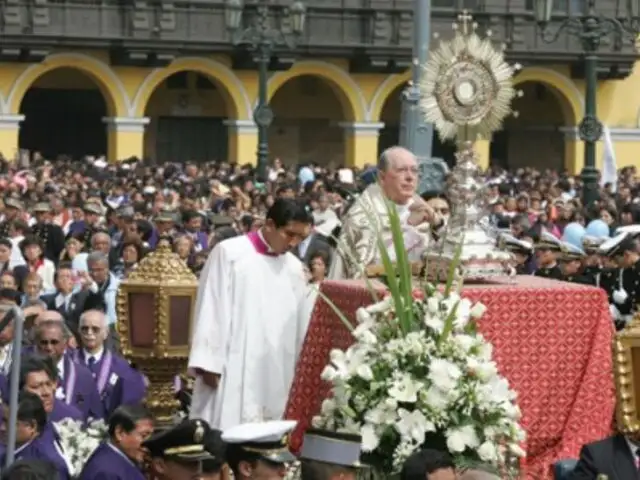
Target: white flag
x,y
609,164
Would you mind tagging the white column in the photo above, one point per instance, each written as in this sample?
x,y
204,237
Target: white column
x,y
125,137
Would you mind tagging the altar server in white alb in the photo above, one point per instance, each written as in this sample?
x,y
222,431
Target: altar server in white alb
x,y
250,321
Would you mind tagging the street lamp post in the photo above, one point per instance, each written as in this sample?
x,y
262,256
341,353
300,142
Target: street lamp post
x,y
415,133
590,28
261,37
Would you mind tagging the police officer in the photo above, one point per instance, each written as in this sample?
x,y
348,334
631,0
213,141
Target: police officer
x,y
571,260
85,229
328,455
260,449
521,250
12,210
547,250
178,453
592,263
51,235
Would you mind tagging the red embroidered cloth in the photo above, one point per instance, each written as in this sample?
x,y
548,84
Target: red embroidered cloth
x,y
552,340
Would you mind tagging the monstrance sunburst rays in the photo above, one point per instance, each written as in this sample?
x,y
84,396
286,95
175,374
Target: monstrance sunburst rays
x,y
467,86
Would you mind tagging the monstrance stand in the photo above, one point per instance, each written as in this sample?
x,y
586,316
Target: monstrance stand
x,y
466,93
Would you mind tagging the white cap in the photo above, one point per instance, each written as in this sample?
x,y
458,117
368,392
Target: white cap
x,y
633,230
570,248
610,246
507,240
269,439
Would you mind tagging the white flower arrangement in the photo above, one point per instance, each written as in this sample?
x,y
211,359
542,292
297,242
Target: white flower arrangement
x,y
78,441
420,374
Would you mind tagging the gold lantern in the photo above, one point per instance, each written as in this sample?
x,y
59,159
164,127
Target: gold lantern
x,y
155,305
626,365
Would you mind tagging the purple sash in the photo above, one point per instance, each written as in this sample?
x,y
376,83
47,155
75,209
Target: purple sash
x,y
70,384
260,245
105,369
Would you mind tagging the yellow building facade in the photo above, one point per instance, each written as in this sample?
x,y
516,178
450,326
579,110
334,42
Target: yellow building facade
x,y
322,112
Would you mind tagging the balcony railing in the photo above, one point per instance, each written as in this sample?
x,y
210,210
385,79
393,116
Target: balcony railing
x,y
338,25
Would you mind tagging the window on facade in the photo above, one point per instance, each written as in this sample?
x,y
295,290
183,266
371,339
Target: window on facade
x,y
455,4
178,81
570,7
203,83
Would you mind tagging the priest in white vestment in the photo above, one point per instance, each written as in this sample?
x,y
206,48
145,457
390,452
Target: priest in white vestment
x,y
368,217
250,321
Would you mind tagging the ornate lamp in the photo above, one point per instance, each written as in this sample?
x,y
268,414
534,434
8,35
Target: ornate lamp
x,y
626,368
298,17
155,305
543,10
233,14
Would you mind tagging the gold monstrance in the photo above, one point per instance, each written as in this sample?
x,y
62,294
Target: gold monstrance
x,y
466,93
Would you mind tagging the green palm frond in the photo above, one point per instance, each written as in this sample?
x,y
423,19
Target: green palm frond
x,y
405,281
343,318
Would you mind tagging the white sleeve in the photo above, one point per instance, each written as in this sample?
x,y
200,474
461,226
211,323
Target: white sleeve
x,y
212,317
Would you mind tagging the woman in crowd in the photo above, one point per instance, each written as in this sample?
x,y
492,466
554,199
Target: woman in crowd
x,y
33,253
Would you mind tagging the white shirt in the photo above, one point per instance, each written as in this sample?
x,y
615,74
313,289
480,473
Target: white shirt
x,y
5,358
60,367
304,246
634,451
97,356
62,299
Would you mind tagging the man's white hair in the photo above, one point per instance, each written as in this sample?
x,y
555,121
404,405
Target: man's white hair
x,y
100,314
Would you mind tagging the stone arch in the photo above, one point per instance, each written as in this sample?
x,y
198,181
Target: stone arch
x,y
232,89
110,86
570,99
384,90
346,89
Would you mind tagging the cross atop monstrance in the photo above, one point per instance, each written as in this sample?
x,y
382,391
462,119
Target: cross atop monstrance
x,y
465,22
466,93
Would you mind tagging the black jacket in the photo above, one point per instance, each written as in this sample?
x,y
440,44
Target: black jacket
x,y
611,457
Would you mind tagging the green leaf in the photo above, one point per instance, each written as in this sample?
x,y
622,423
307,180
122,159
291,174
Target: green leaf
x,y
448,324
403,267
453,266
336,310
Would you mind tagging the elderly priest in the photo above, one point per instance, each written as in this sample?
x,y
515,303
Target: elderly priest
x,y
369,217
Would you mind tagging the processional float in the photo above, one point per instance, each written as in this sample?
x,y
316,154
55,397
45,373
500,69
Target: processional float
x,y
155,305
467,89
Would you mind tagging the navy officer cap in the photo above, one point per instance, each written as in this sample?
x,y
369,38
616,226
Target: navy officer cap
x,y
266,440
184,442
331,447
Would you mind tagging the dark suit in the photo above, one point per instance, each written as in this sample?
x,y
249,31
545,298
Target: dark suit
x,y
611,456
80,302
316,242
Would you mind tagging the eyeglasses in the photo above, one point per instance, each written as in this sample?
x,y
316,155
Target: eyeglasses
x,y
89,329
53,342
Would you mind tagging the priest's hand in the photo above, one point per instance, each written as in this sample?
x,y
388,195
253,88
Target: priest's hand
x,y
210,379
422,212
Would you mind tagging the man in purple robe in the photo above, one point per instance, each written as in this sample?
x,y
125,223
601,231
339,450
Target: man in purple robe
x,y
76,385
37,375
118,383
35,440
120,457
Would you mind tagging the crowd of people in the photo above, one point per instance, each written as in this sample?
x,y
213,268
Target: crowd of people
x,y
70,232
